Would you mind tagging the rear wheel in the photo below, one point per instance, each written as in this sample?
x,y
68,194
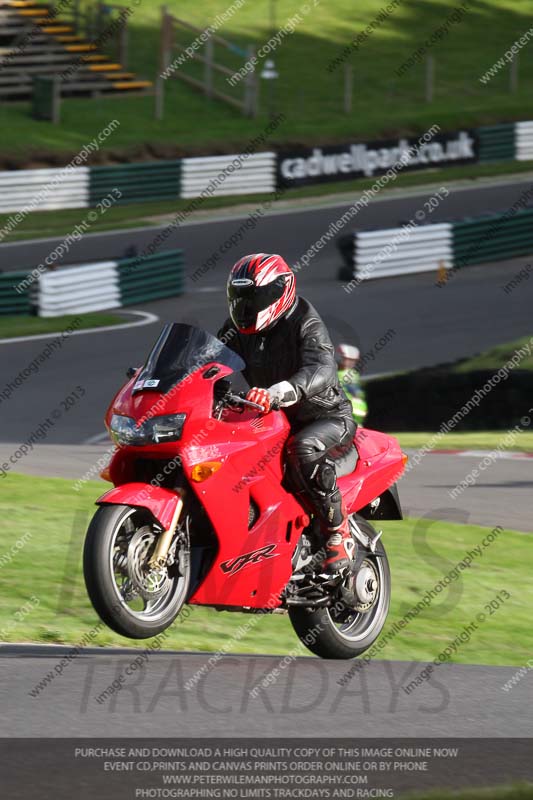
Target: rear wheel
x,y
346,631
128,595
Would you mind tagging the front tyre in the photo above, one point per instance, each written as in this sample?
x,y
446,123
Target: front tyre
x,y
130,597
346,632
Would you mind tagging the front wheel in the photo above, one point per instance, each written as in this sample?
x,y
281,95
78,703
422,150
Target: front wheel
x,y
130,597
346,632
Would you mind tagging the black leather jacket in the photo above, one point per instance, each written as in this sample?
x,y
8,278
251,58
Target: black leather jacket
x,y
296,349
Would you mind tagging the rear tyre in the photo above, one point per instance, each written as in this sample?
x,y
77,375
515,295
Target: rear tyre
x,y
344,632
131,599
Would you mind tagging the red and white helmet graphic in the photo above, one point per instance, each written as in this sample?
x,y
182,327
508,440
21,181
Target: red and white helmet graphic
x,y
261,290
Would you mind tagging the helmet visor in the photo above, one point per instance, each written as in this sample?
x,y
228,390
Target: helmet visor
x,y
246,300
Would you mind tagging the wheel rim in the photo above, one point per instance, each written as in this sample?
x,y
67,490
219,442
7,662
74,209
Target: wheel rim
x,y
352,625
144,593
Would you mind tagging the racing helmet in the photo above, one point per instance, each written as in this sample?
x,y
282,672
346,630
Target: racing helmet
x,y
347,352
261,290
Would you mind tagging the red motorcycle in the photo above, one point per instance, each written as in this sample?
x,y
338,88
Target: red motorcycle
x,y
201,512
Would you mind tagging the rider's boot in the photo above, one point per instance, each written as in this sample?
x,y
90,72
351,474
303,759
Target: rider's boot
x,y
339,547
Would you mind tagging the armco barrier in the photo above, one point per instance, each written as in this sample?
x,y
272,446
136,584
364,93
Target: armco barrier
x,y
11,302
141,280
217,176
108,284
524,141
78,290
496,142
44,189
493,237
401,251
228,175
137,183
426,248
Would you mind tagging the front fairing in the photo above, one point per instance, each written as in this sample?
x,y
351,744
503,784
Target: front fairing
x,y
203,436
163,385
192,396
250,457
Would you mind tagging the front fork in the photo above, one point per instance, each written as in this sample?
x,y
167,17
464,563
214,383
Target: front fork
x,y
160,554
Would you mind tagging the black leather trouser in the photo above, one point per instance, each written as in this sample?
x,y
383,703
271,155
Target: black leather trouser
x,y
311,454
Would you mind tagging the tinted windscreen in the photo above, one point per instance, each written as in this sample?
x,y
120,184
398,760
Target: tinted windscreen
x,y
179,351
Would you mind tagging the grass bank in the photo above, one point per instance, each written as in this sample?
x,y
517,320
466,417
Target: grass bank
x,y
49,518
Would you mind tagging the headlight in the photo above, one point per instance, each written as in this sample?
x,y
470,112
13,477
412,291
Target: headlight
x,y
166,428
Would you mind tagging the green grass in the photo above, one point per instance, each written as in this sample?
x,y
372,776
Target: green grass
x,y
497,356
485,440
21,325
311,97
61,222
55,517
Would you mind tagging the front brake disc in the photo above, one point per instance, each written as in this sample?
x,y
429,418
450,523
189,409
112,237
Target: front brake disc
x,y
149,583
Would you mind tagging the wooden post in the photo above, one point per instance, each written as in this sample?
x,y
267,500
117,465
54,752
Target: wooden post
x,y
164,51
76,16
90,23
46,99
513,73
430,78
100,25
208,68
251,84
348,88
123,43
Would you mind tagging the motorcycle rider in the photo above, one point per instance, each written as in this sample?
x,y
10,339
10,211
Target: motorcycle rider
x,y
290,361
348,356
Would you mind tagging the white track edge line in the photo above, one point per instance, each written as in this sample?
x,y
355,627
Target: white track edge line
x,y
147,318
